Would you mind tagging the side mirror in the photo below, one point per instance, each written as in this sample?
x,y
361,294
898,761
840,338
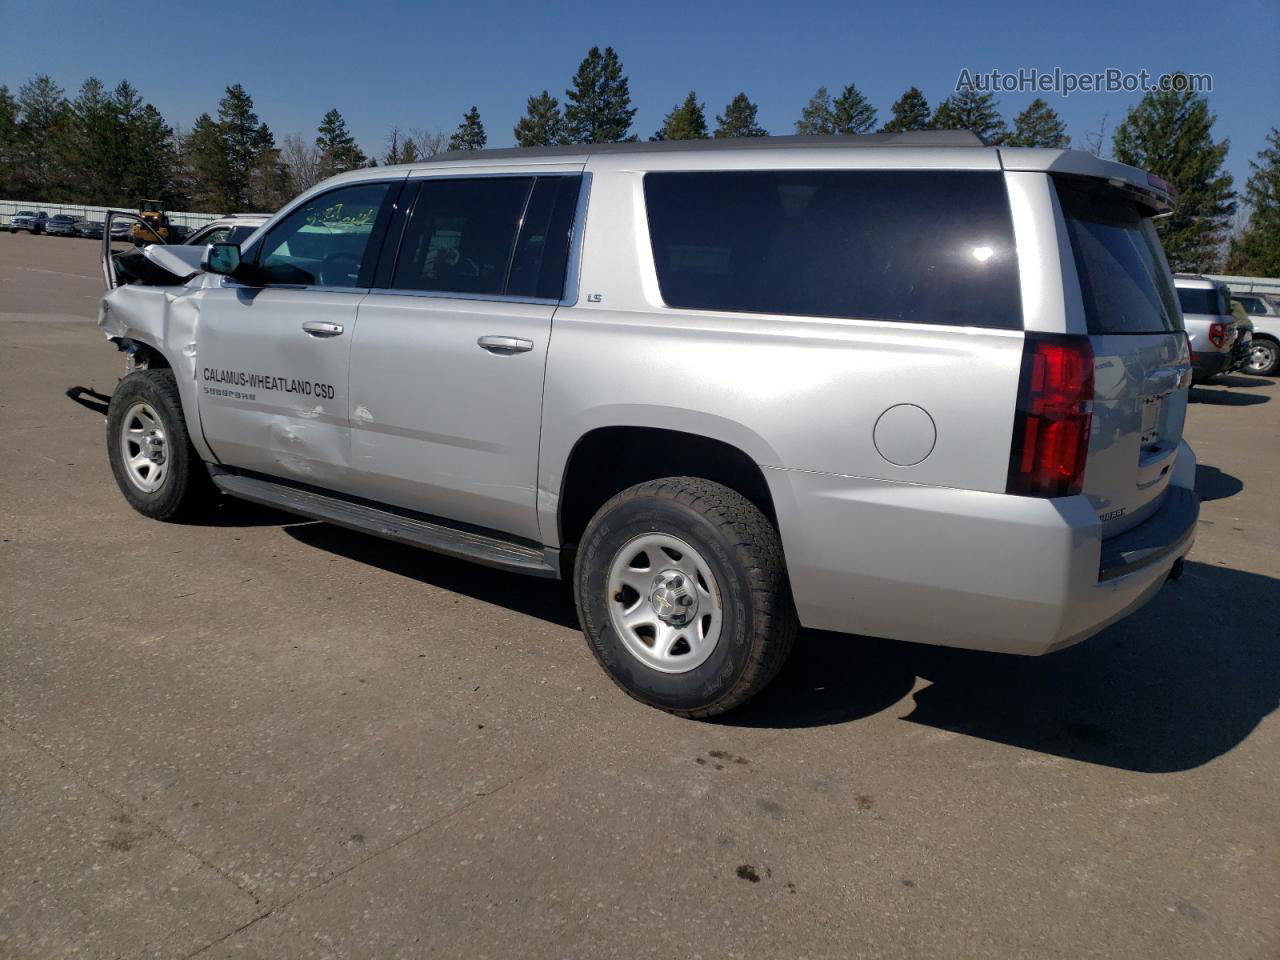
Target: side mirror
x,y
223,258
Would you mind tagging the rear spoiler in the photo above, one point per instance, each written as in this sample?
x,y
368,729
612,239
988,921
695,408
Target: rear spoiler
x,y
1153,192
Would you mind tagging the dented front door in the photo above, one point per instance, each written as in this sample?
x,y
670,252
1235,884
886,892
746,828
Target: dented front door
x,y
271,376
272,358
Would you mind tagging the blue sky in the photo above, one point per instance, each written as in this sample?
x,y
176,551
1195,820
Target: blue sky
x,y
422,64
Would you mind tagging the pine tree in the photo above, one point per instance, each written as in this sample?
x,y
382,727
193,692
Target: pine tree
x,y
687,121
971,110
1170,134
910,112
598,106
542,124
852,112
338,149
1256,252
43,111
97,142
8,143
206,163
245,142
1038,126
470,133
739,120
817,117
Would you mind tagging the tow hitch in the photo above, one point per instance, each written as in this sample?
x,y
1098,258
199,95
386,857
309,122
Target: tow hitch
x,y
1176,572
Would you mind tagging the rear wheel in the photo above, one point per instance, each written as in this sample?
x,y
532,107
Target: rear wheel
x,y
155,465
1264,358
683,596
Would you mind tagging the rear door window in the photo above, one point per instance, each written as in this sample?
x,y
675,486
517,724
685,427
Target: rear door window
x,y
461,235
1200,301
910,246
1124,280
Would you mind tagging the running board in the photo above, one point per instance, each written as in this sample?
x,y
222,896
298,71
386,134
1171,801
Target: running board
x,y
437,537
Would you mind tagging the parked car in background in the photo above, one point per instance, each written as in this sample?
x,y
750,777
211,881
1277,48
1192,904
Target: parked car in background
x,y
90,229
818,381
1264,351
28,220
232,228
122,229
1211,329
63,225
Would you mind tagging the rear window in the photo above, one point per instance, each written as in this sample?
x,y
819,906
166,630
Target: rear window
x,y
1124,279
1201,301
914,246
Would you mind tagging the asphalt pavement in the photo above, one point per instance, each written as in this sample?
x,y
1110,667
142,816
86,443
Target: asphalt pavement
x,y
265,737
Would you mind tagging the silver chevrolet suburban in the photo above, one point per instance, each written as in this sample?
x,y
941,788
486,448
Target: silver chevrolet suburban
x,y
908,385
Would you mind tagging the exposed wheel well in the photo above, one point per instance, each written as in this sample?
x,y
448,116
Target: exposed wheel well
x,y
610,459
144,356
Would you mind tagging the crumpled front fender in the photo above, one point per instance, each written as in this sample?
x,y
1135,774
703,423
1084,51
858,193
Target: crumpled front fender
x,y
164,319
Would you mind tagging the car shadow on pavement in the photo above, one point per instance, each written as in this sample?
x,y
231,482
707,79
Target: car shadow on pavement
x,y
1213,484
1181,682
1224,398
1237,380
549,600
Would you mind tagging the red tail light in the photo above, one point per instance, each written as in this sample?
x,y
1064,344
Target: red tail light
x,y
1051,426
1217,334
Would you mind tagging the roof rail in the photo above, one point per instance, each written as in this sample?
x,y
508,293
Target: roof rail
x,y
911,138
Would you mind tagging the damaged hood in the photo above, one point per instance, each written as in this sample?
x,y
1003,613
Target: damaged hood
x,y
159,265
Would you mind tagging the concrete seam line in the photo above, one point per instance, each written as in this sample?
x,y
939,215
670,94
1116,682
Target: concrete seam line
x,y
359,863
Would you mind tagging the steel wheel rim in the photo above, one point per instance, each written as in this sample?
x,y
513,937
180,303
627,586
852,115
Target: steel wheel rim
x,y
1261,357
144,448
648,579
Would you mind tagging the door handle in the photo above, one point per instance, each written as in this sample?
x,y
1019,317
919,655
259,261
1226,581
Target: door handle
x,y
505,345
320,328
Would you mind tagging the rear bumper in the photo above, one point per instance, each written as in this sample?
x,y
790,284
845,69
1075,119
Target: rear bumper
x,y
1206,365
968,569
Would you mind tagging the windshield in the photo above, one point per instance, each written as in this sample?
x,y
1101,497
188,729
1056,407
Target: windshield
x,y
1124,279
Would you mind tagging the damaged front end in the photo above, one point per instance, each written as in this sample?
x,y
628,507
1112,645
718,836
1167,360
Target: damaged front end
x,y
150,308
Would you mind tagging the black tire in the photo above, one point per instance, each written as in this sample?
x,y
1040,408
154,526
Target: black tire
x,y
743,550
1271,369
185,488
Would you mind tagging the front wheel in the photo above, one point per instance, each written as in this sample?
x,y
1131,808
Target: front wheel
x,y
1264,358
155,465
683,595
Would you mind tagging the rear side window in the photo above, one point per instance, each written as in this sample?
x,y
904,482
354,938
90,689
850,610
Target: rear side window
x,y
912,246
542,252
1201,301
1124,280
